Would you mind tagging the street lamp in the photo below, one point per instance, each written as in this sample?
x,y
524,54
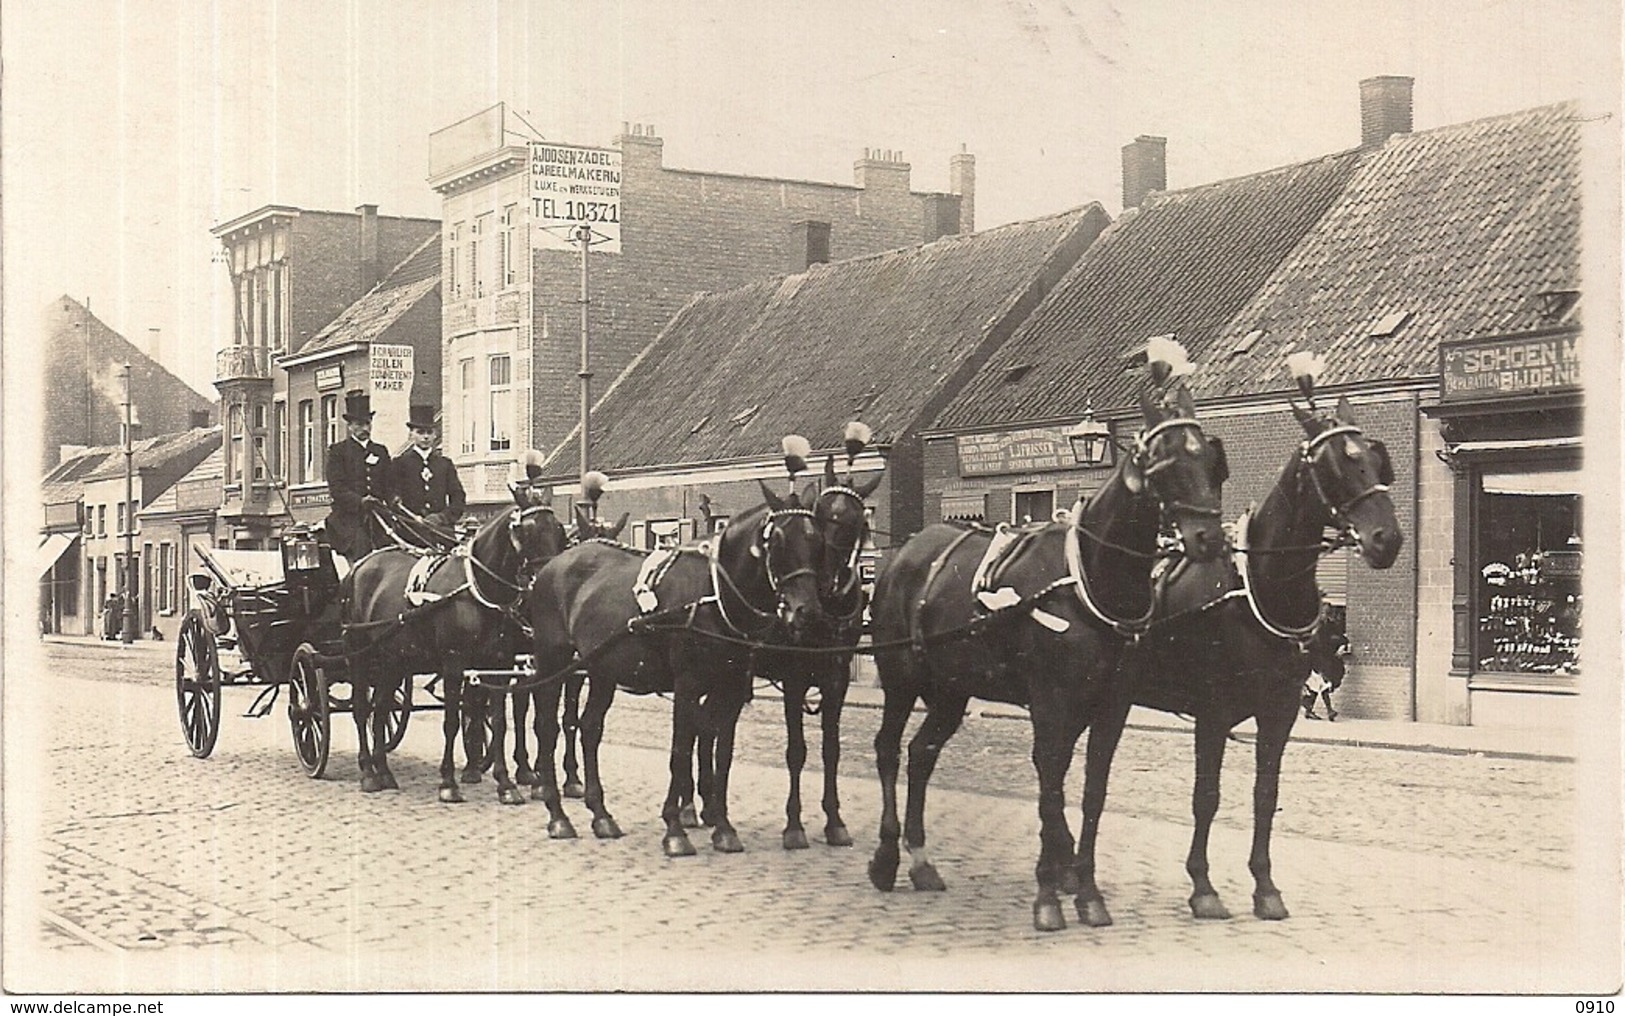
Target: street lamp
x,y
1091,440
127,634
583,235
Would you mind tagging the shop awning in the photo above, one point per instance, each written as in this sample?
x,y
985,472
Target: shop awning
x,y
962,506
51,550
1564,483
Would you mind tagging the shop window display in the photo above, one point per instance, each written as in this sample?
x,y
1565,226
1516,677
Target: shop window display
x,y
1530,553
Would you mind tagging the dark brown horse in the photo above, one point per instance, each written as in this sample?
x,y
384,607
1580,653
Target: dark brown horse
x,y
1229,643
843,524
1047,637
462,616
696,634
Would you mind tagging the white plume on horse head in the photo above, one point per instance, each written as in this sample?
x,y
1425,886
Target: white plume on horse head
x,y
1305,366
524,473
797,450
593,484
855,438
1166,358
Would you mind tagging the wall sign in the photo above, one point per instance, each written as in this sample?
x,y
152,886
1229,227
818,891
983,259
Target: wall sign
x,y
1016,451
571,186
330,377
1489,369
389,370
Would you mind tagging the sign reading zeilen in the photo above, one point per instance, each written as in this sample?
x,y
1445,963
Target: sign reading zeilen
x,y
1487,369
569,186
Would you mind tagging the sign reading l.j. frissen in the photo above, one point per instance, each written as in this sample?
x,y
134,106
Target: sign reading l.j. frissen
x,y
572,186
1488,369
1016,451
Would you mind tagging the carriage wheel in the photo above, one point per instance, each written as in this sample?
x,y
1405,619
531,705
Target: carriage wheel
x,y
400,710
197,684
308,712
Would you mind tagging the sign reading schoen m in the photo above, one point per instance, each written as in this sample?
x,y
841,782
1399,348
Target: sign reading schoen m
x,y
569,186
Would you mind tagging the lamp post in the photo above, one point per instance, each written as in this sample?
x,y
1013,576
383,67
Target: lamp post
x,y
127,634
583,235
1091,440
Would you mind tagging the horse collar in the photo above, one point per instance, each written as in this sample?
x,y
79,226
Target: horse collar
x,y
1132,628
1301,636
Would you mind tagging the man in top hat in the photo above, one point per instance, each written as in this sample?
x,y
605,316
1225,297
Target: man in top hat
x,y
423,480
358,480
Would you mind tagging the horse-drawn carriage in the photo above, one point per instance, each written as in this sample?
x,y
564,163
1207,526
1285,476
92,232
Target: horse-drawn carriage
x,y
269,619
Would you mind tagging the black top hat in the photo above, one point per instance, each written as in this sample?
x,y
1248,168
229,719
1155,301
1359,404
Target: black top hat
x,y
421,418
357,406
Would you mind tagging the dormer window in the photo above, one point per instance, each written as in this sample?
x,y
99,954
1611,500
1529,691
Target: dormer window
x,y
1015,373
1389,323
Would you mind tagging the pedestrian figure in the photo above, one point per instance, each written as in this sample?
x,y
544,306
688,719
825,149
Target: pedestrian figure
x,y
112,615
358,480
1326,665
425,483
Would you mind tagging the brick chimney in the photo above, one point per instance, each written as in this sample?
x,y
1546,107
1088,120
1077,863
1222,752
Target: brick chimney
x,y
366,253
962,181
881,171
1385,108
1145,168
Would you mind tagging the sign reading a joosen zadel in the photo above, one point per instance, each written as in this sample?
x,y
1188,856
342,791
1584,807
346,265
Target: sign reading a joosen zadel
x,y
1489,369
571,186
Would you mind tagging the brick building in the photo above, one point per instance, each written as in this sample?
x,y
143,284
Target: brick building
x,y
84,385
512,273
184,516
293,271
697,418
1409,263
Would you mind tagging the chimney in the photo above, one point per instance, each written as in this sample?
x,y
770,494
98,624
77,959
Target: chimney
x,y
1385,108
1145,168
962,181
367,247
881,170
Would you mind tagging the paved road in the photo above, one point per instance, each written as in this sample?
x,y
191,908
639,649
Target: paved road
x,y
156,871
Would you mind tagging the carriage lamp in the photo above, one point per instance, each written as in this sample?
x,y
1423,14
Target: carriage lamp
x,y
301,554
1091,440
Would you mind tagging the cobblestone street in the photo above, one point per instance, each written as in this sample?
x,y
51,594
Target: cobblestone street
x,y
155,871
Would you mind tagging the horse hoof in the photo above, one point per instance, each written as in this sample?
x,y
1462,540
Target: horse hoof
x,y
837,836
687,818
389,780
574,789
1269,907
677,845
1047,916
726,841
371,783
510,795
1069,881
451,795
561,829
1094,914
925,878
470,775
536,792
525,777
1207,907
795,839
883,870
606,828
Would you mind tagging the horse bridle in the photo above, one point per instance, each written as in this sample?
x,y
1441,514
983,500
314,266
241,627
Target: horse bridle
x,y
775,581
1310,454
851,563
719,577
527,565
1142,458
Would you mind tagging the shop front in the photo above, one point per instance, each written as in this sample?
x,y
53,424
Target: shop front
x,y
1510,415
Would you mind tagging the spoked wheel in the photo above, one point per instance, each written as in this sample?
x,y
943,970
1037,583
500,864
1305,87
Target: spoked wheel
x,y
400,710
308,712
197,684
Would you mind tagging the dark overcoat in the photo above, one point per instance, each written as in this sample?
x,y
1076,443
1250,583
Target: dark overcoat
x,y
354,472
428,490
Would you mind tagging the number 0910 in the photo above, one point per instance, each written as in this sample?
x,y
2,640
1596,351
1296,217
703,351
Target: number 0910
x,y
1587,1005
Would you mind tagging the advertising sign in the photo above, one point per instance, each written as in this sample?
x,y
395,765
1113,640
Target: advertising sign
x,y
330,377
1016,451
390,373
1488,369
571,186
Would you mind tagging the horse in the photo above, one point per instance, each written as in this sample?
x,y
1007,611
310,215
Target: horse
x,y
691,623
461,615
1048,639
587,527
842,520
1229,641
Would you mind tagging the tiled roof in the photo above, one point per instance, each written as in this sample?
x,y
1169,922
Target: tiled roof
x,y
1184,263
65,481
154,452
1457,228
882,335
211,471
370,317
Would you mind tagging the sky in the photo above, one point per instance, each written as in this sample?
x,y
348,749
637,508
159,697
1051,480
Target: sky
x,y
131,127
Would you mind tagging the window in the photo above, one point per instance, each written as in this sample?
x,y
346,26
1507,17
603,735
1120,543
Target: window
x,y
501,401
478,244
510,222
330,419
122,508
1034,506
662,534
89,519
234,444
259,471
455,281
817,243
162,588
470,419
1530,548
101,520
307,441
279,440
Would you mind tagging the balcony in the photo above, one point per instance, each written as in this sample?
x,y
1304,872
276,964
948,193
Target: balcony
x,y
239,362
